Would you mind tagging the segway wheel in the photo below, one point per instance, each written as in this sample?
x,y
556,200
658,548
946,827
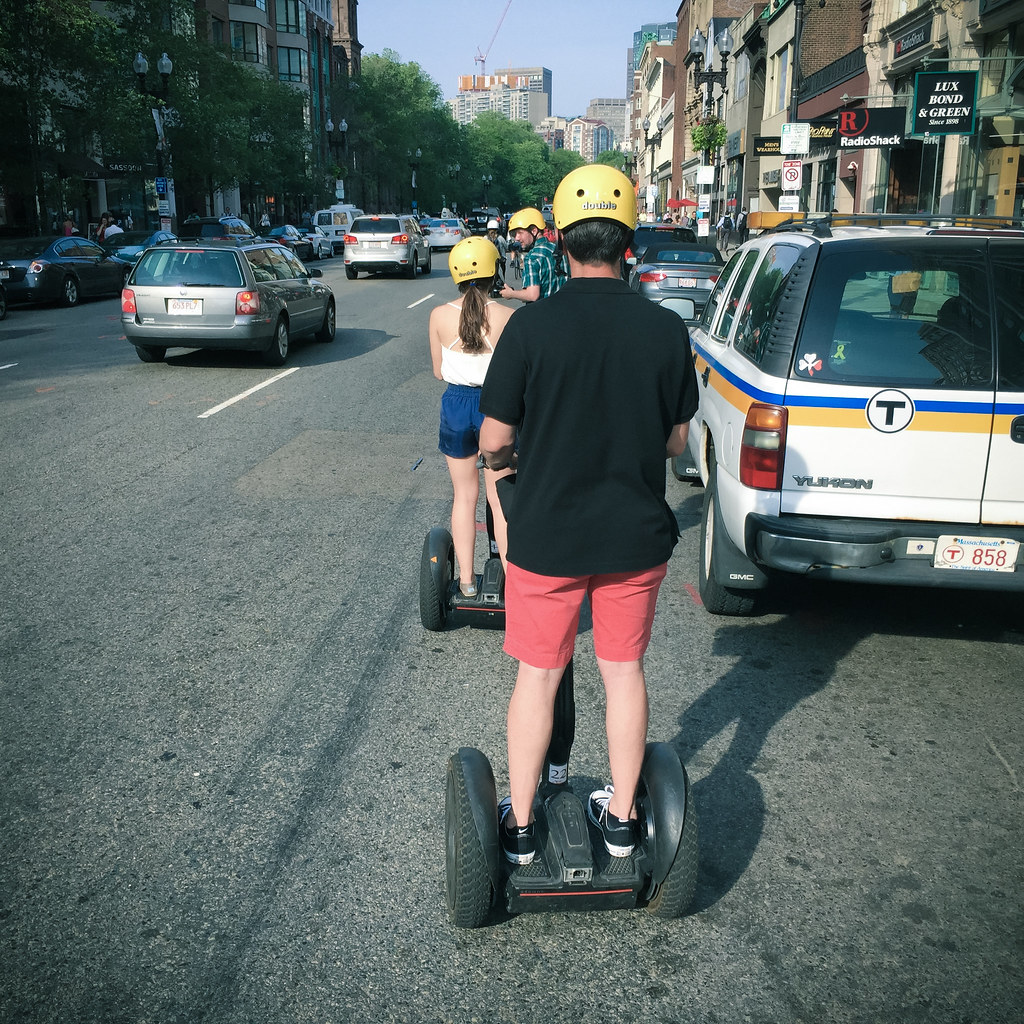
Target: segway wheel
x,y
675,894
467,881
437,570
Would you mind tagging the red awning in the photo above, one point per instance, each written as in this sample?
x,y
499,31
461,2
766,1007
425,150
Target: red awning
x,y
674,204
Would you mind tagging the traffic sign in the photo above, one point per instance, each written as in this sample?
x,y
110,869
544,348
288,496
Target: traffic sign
x,y
796,138
789,204
792,175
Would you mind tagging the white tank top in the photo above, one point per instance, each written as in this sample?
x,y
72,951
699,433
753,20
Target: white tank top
x,y
467,368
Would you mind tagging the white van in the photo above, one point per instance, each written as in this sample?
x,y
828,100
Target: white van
x,y
335,222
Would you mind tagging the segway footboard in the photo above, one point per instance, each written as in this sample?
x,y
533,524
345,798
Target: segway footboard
x,y
570,872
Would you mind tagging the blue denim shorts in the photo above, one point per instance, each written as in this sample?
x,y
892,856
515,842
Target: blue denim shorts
x,y
461,418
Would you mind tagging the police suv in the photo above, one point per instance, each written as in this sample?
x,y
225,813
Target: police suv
x,y
862,409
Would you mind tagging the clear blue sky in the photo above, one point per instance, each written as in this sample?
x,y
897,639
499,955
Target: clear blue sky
x,y
583,42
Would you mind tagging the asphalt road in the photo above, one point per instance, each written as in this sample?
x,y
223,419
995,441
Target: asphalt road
x,y
224,731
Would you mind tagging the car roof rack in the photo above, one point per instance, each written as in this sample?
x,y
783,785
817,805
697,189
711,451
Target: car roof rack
x,y
821,225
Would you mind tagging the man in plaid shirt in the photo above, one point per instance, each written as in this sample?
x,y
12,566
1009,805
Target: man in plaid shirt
x,y
541,276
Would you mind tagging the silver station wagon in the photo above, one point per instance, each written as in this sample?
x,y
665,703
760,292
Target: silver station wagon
x,y
232,294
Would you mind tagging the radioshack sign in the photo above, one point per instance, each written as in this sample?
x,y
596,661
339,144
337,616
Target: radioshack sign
x,y
945,102
872,127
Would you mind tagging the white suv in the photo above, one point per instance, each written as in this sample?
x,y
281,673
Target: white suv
x,y
386,242
862,410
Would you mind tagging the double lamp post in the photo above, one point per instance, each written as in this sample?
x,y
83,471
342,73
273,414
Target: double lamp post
x,y
162,114
708,76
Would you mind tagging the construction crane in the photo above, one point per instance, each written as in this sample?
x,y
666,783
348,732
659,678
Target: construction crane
x,y
481,58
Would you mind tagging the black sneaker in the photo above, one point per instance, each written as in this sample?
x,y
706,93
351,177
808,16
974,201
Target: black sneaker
x,y
519,844
619,834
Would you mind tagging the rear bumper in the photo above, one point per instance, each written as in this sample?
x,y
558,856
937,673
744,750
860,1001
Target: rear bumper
x,y
250,334
877,551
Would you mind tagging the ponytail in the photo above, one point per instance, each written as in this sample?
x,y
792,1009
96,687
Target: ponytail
x,y
473,318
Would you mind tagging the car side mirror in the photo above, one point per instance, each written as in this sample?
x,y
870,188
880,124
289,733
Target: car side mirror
x,y
684,308
317,272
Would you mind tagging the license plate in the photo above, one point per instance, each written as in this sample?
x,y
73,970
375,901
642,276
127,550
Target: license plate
x,y
687,282
185,307
383,245
981,554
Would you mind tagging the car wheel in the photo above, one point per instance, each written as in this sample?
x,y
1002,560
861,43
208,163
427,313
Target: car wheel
x,y
69,292
718,600
410,270
351,273
150,353
326,332
277,354
426,269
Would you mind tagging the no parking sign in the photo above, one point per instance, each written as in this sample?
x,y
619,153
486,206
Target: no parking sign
x,y
792,175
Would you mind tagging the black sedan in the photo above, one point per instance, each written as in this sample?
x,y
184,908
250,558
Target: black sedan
x,y
677,270
292,238
128,246
65,270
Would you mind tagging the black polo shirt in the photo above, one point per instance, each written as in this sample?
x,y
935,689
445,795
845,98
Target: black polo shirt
x,y
594,378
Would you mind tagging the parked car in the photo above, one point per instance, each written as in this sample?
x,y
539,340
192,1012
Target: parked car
x,y
386,242
235,294
3,298
680,270
128,246
321,245
64,269
862,410
445,233
215,227
292,238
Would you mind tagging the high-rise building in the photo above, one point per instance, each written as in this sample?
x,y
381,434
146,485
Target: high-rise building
x,y
614,113
588,137
538,80
516,94
663,33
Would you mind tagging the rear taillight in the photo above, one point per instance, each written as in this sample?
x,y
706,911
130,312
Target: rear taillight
x,y
351,240
653,275
400,240
128,301
247,303
763,447
713,278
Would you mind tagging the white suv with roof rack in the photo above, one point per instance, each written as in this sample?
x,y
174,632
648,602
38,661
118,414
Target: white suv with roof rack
x,y
862,410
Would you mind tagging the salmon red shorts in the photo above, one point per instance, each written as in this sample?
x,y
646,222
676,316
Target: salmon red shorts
x,y
542,614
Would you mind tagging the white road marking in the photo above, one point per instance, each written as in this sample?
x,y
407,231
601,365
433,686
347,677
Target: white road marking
x,y
245,394
7,366
418,301
1005,764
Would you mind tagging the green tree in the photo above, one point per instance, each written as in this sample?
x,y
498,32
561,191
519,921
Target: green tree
x,y
613,158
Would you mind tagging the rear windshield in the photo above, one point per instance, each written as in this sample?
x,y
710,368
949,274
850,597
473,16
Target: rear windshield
x,y
221,230
913,318
379,226
655,255
203,268
23,248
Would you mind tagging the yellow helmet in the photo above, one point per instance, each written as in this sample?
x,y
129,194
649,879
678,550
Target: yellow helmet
x,y
595,192
528,216
473,259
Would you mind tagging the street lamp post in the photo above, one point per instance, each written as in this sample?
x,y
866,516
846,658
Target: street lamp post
x,y
337,139
162,114
453,174
414,163
485,180
652,142
708,76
